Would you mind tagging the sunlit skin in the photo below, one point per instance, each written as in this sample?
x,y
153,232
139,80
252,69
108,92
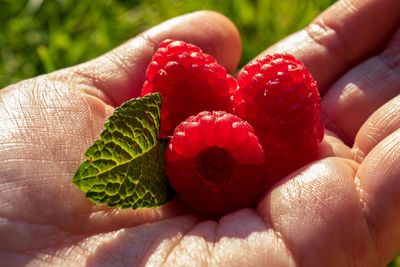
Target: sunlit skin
x,y
341,210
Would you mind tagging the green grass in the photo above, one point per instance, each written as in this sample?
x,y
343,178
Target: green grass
x,y
395,262
41,36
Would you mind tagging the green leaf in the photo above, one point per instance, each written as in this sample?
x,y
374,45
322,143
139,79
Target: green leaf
x,y
125,168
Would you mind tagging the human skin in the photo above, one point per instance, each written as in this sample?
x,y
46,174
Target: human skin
x,y
341,210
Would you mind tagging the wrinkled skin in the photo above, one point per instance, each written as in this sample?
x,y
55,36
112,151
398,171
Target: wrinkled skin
x,y
341,210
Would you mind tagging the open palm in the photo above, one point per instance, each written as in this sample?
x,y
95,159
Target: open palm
x,y
341,210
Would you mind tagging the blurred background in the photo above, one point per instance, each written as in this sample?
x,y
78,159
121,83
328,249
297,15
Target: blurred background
x,y
40,36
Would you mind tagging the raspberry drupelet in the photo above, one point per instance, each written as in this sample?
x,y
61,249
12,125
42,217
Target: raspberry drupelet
x,y
280,99
214,161
189,80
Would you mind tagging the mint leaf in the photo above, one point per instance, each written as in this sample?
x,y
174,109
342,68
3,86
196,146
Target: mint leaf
x,y
125,168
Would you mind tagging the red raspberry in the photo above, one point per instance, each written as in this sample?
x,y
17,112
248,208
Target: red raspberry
x,y
280,99
214,161
189,81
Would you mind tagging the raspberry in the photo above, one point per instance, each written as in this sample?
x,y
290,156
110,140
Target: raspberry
x,y
189,80
280,99
214,161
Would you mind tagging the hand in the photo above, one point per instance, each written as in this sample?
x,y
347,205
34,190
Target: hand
x,y
340,210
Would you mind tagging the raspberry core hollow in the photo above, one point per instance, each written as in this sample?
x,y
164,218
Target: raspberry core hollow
x,y
214,161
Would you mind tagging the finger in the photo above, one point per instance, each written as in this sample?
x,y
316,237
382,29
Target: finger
x,y
121,72
379,189
380,125
237,239
332,146
318,216
342,36
361,91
